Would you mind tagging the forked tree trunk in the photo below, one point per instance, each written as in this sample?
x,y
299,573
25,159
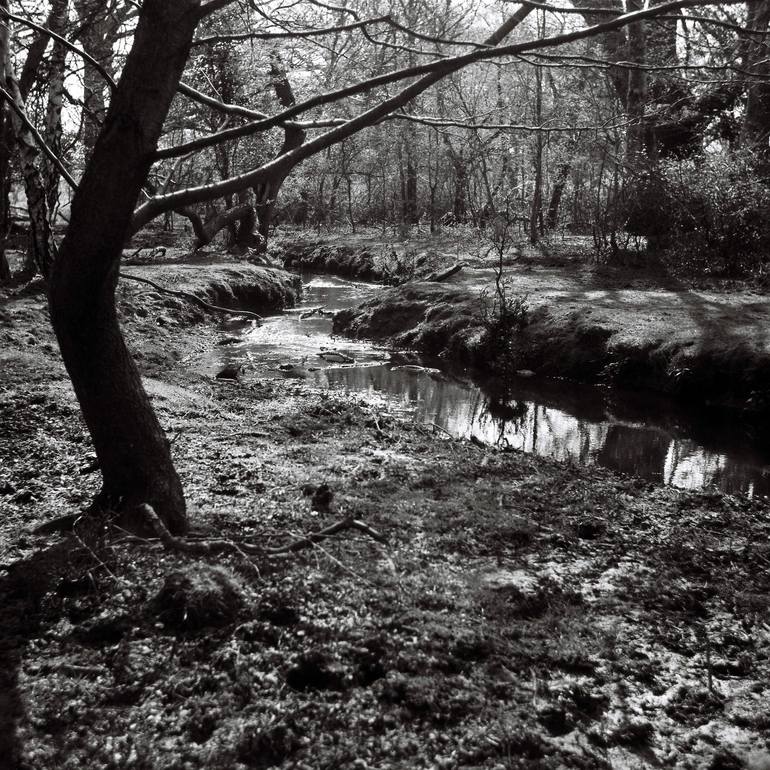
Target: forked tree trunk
x,y
241,218
293,137
131,447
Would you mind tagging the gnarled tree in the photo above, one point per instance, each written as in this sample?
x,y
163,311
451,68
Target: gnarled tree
x,y
132,449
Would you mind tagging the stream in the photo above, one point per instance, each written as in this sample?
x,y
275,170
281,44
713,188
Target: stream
x,y
641,434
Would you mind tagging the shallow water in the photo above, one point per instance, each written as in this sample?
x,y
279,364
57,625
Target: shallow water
x,y
646,436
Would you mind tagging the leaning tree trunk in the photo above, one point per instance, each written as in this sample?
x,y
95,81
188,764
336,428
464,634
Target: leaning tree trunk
x,y
293,137
241,218
132,449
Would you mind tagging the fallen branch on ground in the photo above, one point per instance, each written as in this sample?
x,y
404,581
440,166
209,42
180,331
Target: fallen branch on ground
x,y
239,434
446,273
191,298
174,543
310,312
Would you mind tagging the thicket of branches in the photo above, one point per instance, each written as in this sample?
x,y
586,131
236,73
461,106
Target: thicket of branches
x,y
554,135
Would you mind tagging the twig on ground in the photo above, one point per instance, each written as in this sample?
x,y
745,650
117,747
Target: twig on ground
x,y
341,565
191,298
238,434
436,427
174,543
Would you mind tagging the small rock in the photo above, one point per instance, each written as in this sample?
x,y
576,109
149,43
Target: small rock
x,y
322,498
229,372
524,373
197,596
23,496
229,341
6,488
589,529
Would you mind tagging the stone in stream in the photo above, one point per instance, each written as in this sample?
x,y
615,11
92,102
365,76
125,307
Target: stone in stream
x,y
431,372
335,357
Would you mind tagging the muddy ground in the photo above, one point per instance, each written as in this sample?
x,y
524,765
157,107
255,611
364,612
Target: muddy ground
x,y
522,614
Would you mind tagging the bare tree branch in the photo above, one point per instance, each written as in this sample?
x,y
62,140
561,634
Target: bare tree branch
x,y
49,153
63,40
442,67
427,120
241,36
432,73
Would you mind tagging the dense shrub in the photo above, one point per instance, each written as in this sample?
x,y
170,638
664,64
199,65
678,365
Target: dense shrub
x,y
706,215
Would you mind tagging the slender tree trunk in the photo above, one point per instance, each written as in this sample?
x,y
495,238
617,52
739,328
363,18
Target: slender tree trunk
x,y
132,449
53,127
349,186
558,190
410,190
6,140
41,246
537,193
756,123
460,171
100,25
636,138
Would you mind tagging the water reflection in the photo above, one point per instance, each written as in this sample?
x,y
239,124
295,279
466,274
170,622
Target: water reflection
x,y
653,452
632,433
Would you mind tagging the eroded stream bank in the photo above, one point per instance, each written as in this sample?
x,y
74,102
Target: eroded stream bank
x,y
641,434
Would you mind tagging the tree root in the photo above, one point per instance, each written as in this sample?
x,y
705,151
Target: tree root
x,y
173,543
191,298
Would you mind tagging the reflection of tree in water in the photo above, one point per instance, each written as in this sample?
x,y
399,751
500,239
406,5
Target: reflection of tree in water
x,y
504,420
687,465
733,478
629,449
504,415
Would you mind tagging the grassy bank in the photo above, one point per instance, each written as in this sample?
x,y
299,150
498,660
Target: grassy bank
x,y
708,347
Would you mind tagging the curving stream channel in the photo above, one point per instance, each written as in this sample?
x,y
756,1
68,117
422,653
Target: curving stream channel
x,y
648,436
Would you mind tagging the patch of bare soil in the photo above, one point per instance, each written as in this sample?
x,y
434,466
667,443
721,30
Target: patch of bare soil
x,y
523,614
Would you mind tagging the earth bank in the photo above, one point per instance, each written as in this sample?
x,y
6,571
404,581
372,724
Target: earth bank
x,y
618,327
524,613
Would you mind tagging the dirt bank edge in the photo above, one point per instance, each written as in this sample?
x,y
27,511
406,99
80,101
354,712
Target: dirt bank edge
x,y
231,285
449,322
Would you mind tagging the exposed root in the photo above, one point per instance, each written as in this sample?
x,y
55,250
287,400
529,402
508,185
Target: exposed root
x,y
190,297
173,543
